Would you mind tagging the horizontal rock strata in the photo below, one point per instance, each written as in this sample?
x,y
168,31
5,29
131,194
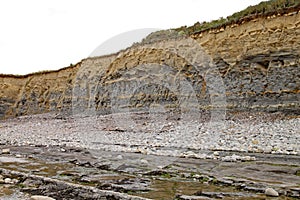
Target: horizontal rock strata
x,y
253,65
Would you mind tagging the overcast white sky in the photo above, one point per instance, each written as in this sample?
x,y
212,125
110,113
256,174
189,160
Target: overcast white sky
x,y
40,35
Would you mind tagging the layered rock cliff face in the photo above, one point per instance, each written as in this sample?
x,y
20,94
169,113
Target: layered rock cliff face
x,y
253,65
36,93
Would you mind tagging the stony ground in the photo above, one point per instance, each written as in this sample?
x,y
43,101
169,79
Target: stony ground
x,y
151,155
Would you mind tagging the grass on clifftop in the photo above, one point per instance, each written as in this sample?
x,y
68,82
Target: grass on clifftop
x,y
264,8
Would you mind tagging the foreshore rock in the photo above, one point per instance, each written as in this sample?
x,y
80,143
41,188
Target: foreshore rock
x,y
271,192
39,197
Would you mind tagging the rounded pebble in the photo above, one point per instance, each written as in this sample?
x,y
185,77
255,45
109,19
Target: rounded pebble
x,y
271,192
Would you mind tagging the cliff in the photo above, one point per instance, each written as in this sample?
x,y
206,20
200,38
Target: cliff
x,y
253,64
36,93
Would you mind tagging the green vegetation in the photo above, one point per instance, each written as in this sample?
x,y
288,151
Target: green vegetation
x,y
131,192
265,8
21,185
166,175
204,180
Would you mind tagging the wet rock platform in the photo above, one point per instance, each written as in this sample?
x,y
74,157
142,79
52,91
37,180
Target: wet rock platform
x,y
253,155
74,173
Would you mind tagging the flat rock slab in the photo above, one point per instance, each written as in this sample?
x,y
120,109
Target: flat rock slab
x,y
124,172
39,197
12,160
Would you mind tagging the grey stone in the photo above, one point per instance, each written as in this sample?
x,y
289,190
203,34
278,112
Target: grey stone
x,y
8,181
144,162
5,151
216,153
12,160
186,197
39,197
271,192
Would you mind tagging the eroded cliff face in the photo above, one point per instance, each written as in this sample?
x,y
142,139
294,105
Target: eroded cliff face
x,y
259,60
253,65
36,93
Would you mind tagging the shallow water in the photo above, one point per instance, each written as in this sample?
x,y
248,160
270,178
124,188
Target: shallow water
x,y
11,193
164,186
